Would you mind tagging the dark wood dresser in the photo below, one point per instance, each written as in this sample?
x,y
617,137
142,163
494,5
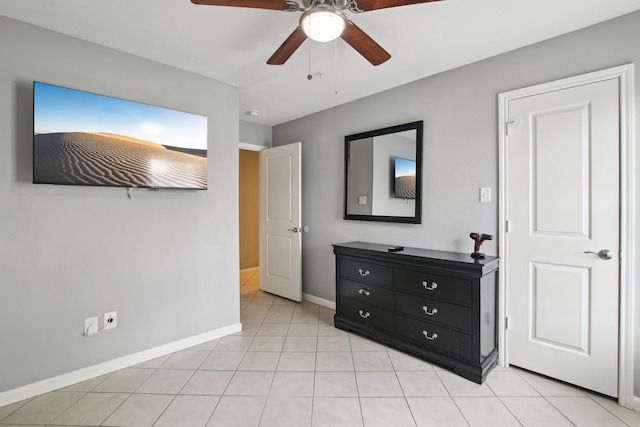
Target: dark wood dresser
x,y
439,306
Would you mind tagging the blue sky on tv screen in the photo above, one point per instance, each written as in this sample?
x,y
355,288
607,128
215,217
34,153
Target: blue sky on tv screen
x,y
59,109
405,167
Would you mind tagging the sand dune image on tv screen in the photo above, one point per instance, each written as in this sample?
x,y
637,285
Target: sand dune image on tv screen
x,y
406,187
114,160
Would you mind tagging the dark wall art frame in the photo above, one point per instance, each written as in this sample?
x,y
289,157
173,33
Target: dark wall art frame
x,y
416,216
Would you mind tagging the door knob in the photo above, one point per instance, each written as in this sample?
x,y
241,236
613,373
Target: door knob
x,y
603,254
295,230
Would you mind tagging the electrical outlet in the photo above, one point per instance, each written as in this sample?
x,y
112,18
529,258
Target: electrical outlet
x,y
110,320
90,326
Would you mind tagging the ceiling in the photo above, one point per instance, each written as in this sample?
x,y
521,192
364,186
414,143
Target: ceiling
x,y
232,44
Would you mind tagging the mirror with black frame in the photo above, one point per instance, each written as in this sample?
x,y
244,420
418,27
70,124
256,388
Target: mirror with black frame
x,y
383,174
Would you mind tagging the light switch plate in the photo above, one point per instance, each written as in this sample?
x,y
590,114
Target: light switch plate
x,y
485,194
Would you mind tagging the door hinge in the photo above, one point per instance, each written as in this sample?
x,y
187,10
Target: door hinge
x,y
506,323
507,226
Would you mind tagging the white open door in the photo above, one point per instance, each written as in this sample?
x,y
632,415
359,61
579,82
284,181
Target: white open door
x,y
280,221
563,238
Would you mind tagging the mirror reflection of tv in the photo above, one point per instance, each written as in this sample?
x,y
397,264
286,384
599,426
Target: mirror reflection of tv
x,y
404,178
82,138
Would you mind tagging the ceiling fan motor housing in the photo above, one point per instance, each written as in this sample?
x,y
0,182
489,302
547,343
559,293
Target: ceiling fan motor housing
x,y
335,4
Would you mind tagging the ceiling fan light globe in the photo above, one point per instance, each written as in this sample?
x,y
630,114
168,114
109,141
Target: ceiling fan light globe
x,y
323,23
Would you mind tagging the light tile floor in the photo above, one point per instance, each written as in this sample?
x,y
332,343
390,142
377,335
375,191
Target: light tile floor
x,y
291,367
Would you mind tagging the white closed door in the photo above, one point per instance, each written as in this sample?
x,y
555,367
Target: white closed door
x,y
280,221
562,235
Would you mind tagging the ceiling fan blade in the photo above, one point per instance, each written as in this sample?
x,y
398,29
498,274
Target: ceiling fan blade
x,y
287,48
367,5
256,4
364,44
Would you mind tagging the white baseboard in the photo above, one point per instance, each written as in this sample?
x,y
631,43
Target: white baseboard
x,y
320,301
70,378
250,269
635,403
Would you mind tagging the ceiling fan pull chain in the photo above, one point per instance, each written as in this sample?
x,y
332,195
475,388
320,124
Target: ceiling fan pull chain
x,y
309,76
335,62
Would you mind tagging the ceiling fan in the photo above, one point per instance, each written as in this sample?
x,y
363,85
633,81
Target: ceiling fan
x,y
323,20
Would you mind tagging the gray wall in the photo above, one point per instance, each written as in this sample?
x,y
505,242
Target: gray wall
x,y
166,261
460,112
361,176
255,133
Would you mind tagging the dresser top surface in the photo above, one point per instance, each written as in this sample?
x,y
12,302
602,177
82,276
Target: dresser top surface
x,y
460,259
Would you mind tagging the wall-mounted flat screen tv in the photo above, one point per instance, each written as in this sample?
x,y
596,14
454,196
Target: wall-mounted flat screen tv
x,y
405,178
82,138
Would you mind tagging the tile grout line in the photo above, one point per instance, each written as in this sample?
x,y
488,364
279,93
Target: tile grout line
x,y
175,396
464,417
504,405
266,399
404,393
606,409
545,397
355,377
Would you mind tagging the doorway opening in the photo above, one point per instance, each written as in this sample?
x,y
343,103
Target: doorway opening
x,y
249,208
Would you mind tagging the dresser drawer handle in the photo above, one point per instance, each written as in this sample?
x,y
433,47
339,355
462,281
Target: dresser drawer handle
x,y
430,313
429,288
363,314
431,338
363,273
364,291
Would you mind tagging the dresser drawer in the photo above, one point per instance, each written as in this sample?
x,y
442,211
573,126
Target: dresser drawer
x,y
431,310
427,334
367,315
366,271
427,284
367,293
